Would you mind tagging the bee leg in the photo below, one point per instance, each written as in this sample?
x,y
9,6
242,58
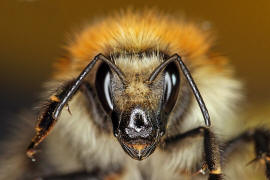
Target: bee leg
x,y
211,149
53,108
212,155
261,140
48,117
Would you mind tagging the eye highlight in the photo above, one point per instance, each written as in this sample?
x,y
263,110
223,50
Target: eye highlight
x,y
103,87
171,86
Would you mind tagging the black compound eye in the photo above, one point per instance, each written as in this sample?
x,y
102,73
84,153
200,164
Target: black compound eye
x,y
171,86
103,87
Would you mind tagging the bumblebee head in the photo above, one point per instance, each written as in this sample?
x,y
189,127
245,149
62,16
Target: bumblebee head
x,y
139,101
138,95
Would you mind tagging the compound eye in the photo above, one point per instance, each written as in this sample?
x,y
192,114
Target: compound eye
x,y
171,86
103,87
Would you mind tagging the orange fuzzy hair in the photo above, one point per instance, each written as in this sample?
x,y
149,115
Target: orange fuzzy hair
x,y
134,32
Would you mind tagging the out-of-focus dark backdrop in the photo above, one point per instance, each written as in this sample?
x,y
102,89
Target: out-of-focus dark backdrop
x,y
32,33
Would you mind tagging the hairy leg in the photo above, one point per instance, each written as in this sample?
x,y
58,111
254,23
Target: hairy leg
x,y
211,149
261,140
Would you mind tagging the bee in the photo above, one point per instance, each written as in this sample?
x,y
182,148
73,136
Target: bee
x,y
132,99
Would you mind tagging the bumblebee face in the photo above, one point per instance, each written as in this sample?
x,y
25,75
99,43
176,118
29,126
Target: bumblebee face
x,y
139,110
138,131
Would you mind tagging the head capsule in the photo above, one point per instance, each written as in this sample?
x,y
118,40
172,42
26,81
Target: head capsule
x,y
138,109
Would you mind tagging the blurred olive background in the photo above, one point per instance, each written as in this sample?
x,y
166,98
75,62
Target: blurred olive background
x,y
33,32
